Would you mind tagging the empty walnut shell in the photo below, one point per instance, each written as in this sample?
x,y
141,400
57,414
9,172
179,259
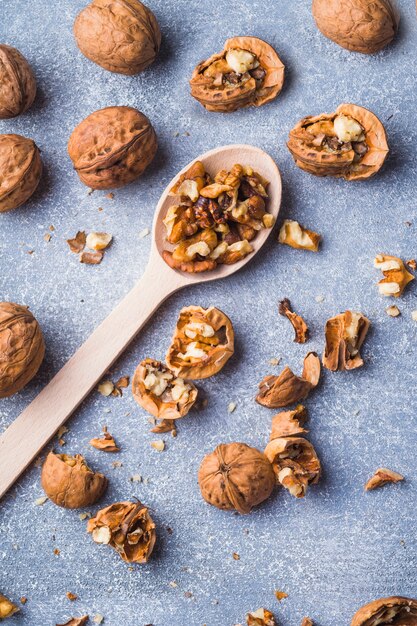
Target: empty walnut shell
x,y
20,170
318,149
345,334
295,463
112,147
219,87
70,483
236,476
122,36
22,347
160,392
128,528
395,611
18,85
357,25
202,343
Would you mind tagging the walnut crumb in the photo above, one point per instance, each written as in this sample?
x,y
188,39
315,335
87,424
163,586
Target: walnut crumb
x,y
71,596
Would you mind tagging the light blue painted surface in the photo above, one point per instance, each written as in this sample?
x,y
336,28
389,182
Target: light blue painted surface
x,y
339,547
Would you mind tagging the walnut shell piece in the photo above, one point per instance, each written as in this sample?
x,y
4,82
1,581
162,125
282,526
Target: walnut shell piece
x,y
128,528
22,347
350,143
162,394
18,85
357,25
288,423
248,72
76,621
260,617
287,388
121,36
295,463
20,170
202,344
236,476
70,483
396,276
381,477
112,147
7,608
396,611
299,325
345,334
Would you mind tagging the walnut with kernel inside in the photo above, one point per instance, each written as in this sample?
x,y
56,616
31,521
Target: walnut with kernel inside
x,y
345,334
261,617
296,236
396,277
202,344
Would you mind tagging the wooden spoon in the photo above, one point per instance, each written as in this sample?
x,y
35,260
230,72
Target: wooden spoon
x,y
28,434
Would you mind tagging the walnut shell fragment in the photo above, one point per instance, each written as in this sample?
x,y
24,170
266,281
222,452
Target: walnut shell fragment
x,y
70,483
287,388
22,347
76,621
293,234
112,147
121,36
160,392
381,477
299,325
7,608
288,423
18,85
261,617
357,25
345,334
396,276
202,344
106,443
396,611
307,622
350,143
20,170
295,463
236,476
128,528
248,72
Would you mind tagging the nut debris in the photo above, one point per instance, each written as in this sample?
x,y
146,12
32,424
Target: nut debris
x,y
396,277
71,596
231,407
412,263
280,595
261,617
414,315
165,426
345,334
7,608
393,311
158,445
307,622
144,233
106,388
288,423
98,619
381,477
299,325
91,258
77,243
98,241
287,388
76,621
106,443
293,234
236,556
41,500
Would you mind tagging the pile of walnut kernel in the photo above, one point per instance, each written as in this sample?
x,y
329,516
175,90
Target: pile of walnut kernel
x,y
215,218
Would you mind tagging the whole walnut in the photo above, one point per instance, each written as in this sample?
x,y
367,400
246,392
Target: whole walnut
x,y
357,25
70,483
122,36
396,610
20,170
112,147
21,347
236,476
18,85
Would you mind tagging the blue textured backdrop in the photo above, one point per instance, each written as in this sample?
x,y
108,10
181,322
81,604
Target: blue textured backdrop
x,y
339,547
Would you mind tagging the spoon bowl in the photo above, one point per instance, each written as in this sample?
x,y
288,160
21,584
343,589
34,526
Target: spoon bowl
x,y
22,441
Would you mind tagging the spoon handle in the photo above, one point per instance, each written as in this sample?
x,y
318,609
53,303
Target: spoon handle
x,y
31,431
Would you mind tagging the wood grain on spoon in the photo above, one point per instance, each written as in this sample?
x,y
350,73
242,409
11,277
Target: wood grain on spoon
x,y
22,441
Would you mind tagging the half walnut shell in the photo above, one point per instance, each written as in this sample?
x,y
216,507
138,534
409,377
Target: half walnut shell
x,y
396,611
248,72
350,143
21,170
295,463
128,528
112,147
345,334
160,392
18,85
70,483
236,476
202,344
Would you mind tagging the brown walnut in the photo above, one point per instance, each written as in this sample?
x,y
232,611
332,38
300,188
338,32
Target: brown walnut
x,y
236,476
122,36
248,72
202,344
22,347
350,143
395,611
345,334
70,483
20,170
357,25
112,147
128,528
18,85
160,392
